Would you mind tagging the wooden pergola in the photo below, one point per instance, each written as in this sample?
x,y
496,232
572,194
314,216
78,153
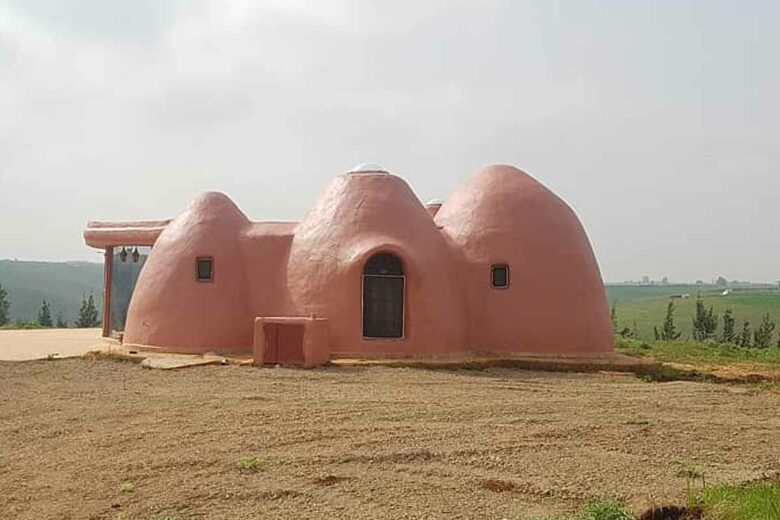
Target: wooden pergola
x,y
109,235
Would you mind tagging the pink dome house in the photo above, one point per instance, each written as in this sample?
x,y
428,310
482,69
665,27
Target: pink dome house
x,y
503,266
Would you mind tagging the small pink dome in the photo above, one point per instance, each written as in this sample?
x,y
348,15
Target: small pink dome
x,y
555,301
170,308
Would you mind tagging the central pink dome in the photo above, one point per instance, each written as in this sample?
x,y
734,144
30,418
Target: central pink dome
x,y
357,216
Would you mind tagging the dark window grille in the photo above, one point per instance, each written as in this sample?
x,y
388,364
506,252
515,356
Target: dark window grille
x,y
383,297
384,264
499,276
205,269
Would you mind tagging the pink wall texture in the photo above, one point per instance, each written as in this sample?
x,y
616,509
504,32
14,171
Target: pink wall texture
x,y
554,302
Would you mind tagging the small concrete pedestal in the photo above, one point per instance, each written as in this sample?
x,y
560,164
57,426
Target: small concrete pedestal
x,y
291,340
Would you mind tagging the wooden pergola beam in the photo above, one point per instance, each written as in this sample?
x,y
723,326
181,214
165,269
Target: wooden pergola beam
x,y
108,267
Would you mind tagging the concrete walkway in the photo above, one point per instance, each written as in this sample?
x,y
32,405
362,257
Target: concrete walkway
x,y
21,345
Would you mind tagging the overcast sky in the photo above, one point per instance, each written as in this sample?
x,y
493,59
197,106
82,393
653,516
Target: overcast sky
x,y
656,120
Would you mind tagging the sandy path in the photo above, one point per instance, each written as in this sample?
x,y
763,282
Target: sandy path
x,y
18,345
407,443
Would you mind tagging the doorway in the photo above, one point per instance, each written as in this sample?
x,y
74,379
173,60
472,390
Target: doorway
x,y
384,285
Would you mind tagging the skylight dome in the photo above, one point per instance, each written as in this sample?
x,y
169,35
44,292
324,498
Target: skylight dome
x,y
368,168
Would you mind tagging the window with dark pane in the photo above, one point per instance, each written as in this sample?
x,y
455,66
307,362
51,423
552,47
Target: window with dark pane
x,y
384,264
205,269
383,297
499,276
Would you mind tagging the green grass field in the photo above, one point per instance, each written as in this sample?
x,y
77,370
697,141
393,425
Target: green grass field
x,y
646,305
752,501
694,352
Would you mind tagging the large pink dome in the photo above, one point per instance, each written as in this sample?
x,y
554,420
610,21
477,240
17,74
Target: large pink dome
x,y
169,308
555,301
357,216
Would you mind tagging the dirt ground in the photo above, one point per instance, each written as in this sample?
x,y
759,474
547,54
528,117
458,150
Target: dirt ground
x,y
104,439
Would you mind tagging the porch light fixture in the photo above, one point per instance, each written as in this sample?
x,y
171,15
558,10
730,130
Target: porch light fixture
x,y
123,255
136,255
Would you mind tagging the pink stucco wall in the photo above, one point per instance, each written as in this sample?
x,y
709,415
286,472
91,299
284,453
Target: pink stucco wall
x,y
555,302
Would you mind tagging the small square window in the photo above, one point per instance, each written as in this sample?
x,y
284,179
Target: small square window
x,y
499,276
205,269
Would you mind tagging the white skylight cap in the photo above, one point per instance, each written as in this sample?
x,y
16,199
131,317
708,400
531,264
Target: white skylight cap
x,y
368,168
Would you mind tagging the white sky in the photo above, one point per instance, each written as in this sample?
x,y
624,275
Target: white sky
x,y
656,120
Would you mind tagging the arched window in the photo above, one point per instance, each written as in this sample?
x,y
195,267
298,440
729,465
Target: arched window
x,y
383,297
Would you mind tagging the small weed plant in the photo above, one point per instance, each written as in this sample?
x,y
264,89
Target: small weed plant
x,y
127,487
599,510
605,510
249,464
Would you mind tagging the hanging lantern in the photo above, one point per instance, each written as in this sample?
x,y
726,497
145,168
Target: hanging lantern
x,y
136,255
123,255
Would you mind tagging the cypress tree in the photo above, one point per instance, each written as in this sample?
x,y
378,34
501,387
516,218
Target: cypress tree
x,y
704,321
729,335
763,334
61,323
744,338
635,331
668,329
88,314
5,307
44,315
613,315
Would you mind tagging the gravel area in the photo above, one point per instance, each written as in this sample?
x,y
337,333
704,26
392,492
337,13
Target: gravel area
x,y
104,439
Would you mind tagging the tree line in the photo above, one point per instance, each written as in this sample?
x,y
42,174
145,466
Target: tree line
x,y
88,314
705,328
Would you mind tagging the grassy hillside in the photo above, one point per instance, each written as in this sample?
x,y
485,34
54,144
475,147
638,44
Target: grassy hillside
x,y
647,305
63,284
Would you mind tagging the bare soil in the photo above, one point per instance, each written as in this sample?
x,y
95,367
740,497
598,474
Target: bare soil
x,y
103,439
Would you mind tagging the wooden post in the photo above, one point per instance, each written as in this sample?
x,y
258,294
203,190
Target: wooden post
x,y
108,266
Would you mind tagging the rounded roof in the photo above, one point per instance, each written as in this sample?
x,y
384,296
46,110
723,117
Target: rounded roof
x,y
362,204
503,201
368,168
213,205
